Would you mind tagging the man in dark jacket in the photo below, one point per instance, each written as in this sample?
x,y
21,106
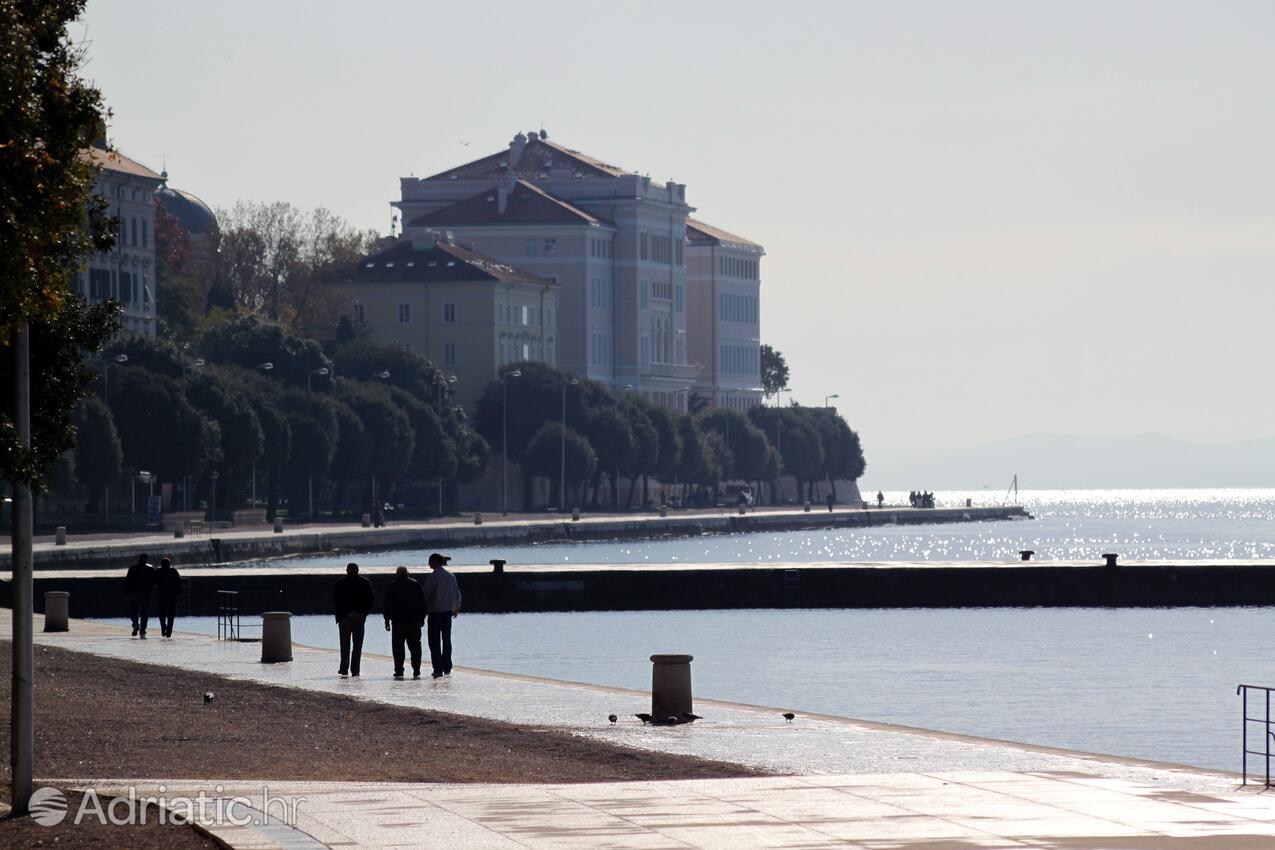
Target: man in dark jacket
x,y
137,585
352,600
168,584
404,617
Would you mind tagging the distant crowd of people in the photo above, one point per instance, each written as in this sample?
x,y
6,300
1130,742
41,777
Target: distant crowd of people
x,y
409,607
921,499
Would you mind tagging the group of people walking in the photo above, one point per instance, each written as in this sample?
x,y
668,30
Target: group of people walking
x,y
921,499
409,606
141,578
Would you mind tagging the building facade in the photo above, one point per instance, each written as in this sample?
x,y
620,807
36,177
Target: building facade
x,y
613,240
723,279
466,312
127,272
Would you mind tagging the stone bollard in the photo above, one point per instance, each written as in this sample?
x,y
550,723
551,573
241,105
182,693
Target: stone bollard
x,y
575,514
670,686
179,532
663,511
59,536
1111,558
1026,554
478,518
743,509
57,605
367,520
276,637
807,507
278,525
497,565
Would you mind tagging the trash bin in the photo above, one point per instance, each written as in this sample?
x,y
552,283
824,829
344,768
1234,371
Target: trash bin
x,y
670,686
276,637
57,605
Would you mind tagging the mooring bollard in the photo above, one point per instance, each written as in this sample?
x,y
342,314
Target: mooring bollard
x,y
497,565
670,686
742,510
57,604
367,520
807,507
478,518
1111,558
575,514
276,637
278,525
663,511
1026,554
59,536
969,503
179,532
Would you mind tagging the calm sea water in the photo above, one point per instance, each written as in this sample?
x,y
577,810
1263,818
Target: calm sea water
x,y
1152,683
1068,525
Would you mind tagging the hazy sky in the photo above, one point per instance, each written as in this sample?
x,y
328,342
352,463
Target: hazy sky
x,y
981,219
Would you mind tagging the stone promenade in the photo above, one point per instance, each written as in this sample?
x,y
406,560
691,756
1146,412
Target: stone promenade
x,y
840,783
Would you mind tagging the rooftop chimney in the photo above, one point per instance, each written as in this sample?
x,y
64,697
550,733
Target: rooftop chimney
x,y
516,147
424,239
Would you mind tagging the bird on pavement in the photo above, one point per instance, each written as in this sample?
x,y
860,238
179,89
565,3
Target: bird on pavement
x,y
687,717
208,697
612,718
645,718
788,715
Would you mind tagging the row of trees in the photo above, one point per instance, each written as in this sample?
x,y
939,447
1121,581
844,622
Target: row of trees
x,y
250,405
590,435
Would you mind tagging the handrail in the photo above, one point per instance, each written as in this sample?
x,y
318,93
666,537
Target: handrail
x,y
1267,738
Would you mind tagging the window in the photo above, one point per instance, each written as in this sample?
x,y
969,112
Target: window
x,y
132,223
662,289
644,298
643,239
677,246
679,298
449,313
551,246
600,293
525,315
126,287
145,233
99,284
449,354
529,247
404,314
646,350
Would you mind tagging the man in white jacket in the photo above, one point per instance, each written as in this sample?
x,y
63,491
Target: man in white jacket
x,y
442,604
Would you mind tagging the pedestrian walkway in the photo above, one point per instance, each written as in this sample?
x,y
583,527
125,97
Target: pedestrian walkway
x,y
843,783
925,811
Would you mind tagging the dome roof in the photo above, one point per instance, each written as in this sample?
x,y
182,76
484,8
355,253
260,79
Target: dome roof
x,y
195,216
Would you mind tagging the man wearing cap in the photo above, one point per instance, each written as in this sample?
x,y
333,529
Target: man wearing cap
x,y
442,604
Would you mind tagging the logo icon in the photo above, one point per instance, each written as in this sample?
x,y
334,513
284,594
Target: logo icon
x,y
48,806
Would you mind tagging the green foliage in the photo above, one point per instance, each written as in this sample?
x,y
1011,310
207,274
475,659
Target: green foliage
x,y
249,342
385,426
242,440
99,455
160,431
545,455
433,453
774,371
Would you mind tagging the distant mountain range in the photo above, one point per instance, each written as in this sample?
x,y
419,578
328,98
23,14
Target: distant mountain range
x,y
1060,461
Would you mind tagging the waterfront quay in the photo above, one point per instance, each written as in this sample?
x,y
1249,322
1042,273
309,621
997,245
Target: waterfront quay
x,y
244,544
834,782
621,587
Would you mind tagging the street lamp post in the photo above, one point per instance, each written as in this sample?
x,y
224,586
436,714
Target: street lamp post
x,y
448,380
504,439
562,471
309,479
779,439
829,397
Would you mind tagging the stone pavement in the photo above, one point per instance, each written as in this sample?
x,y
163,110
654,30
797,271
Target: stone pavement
x,y
922,811
852,783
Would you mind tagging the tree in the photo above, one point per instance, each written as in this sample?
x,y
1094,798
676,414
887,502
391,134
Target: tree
x,y
353,456
386,427
545,458
699,464
746,444
612,438
843,455
249,342
801,451
99,456
242,440
774,371
160,431
181,292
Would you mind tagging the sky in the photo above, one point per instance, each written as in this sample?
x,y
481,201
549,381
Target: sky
x,y
981,219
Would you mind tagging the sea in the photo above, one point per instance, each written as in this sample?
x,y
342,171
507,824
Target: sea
x,y
1155,683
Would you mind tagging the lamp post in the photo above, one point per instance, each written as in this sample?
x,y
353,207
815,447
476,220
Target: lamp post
x,y
779,439
687,392
384,374
265,367
447,380
504,439
309,479
828,397
562,471
106,375
212,499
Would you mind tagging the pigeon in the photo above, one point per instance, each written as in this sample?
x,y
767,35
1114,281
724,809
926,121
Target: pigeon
x,y
687,717
208,697
612,718
788,715
645,718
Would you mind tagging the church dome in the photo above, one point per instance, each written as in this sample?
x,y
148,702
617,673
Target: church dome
x,y
193,214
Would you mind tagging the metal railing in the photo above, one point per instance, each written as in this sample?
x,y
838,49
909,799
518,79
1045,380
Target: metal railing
x,y
228,627
1264,721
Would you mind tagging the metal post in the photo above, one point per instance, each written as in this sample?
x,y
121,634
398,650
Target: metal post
x,y
1244,733
504,448
1266,736
22,717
